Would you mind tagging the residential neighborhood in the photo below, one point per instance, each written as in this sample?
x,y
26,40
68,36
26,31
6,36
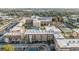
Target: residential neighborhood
x,y
39,30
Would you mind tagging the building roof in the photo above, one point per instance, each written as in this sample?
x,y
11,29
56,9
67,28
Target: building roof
x,y
6,17
62,26
44,18
33,31
58,36
68,43
17,27
66,30
12,33
76,30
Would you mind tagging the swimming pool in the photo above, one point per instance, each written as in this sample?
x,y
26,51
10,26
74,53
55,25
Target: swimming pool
x,y
35,30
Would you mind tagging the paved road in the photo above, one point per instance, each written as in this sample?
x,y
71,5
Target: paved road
x,y
8,28
69,26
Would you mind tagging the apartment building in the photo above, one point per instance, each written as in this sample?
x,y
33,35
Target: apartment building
x,y
20,33
65,39
70,42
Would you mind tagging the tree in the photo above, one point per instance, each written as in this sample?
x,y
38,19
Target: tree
x,y
25,25
8,47
77,19
42,27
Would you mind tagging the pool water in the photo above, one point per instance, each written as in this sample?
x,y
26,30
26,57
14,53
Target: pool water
x,y
33,49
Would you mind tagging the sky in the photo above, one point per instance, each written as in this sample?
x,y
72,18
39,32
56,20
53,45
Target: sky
x,y
39,4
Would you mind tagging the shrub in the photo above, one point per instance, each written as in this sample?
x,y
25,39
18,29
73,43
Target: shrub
x,y
8,47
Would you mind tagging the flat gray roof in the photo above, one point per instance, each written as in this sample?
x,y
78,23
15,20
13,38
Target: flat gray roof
x,y
68,43
66,30
44,18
